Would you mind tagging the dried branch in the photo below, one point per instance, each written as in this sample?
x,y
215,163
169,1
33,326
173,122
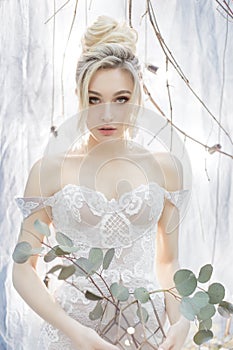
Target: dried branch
x,y
130,13
208,148
174,63
64,56
229,13
56,12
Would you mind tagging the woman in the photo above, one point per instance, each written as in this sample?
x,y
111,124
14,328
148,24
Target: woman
x,y
105,194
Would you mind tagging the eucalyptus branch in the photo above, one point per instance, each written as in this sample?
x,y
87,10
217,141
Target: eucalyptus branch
x,y
105,283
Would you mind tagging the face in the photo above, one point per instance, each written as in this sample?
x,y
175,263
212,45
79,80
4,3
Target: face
x,y
109,92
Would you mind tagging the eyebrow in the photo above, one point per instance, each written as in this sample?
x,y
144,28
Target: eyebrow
x,y
116,93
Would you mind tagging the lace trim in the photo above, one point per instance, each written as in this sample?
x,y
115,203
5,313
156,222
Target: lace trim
x,y
97,202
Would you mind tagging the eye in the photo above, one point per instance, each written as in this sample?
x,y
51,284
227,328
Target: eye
x,y
122,99
94,100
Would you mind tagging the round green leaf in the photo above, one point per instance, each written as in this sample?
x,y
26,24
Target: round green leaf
x,y
108,258
142,314
205,273
66,272
185,282
96,258
97,312
83,267
22,252
141,294
202,337
42,227
205,325
120,292
225,309
206,312
188,309
200,299
62,239
216,293
91,296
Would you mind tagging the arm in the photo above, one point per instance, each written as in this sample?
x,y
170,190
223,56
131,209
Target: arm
x,y
32,289
167,256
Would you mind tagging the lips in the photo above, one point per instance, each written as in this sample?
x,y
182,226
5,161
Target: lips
x,y
107,128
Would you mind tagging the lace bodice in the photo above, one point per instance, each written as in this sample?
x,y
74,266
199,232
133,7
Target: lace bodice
x,y
128,224
80,211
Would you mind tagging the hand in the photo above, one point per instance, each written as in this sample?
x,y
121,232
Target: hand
x,y
88,339
176,335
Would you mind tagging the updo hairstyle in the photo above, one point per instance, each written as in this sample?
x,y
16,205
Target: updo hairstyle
x,y
107,44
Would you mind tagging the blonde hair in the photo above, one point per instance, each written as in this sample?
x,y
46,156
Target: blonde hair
x,y
107,44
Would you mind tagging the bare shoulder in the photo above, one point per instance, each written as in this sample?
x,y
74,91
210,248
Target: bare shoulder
x,y
172,170
43,177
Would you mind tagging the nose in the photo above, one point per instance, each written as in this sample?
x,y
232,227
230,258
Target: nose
x,y
107,112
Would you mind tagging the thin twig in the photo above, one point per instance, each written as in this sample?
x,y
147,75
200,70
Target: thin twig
x,y
228,7
64,56
224,9
170,101
177,128
174,63
56,12
130,13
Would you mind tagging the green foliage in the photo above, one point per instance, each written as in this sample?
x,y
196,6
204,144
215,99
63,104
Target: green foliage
x,y
205,273
95,258
66,272
216,293
83,267
23,251
185,282
42,228
206,312
196,305
62,239
91,296
120,292
201,306
225,309
202,336
108,258
97,312
205,325
141,294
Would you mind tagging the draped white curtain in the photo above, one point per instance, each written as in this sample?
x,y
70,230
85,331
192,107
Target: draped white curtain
x,y
199,35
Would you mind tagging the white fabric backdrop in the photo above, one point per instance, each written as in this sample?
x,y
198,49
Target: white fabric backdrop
x,y
201,41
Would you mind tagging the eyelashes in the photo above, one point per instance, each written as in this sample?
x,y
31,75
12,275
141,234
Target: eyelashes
x,y
120,100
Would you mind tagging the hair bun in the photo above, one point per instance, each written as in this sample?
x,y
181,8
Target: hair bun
x,y
106,30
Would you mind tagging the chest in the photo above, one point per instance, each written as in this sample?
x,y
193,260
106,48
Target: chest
x,y
112,177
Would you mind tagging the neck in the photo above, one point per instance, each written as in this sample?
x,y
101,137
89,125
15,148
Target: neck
x,y
114,147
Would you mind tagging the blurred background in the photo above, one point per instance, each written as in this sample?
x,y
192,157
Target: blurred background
x,y
191,44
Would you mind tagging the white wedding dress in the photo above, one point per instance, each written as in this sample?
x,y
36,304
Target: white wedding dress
x,y
127,224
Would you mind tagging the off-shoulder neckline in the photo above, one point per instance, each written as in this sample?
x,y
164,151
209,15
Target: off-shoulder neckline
x,y
91,190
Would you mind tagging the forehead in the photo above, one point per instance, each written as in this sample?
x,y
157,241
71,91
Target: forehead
x,y
110,80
